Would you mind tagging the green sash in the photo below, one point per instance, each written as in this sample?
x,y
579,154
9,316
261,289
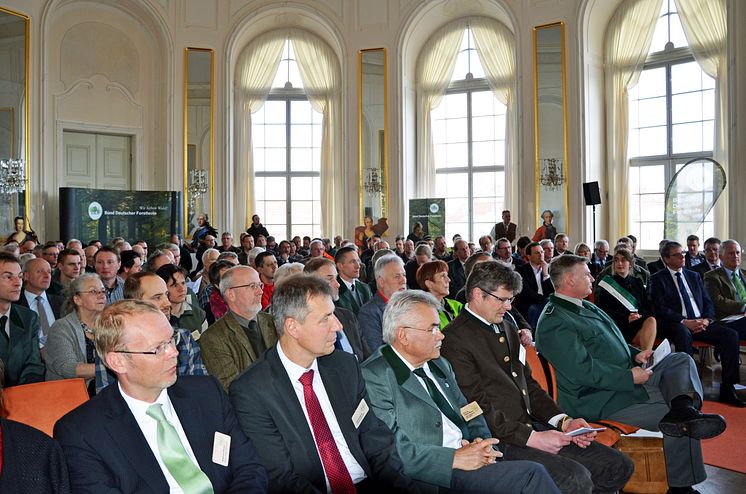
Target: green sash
x,y
619,292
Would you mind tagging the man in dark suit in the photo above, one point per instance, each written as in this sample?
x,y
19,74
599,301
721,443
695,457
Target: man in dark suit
x,y
19,328
152,432
712,257
600,257
37,276
349,338
685,313
456,267
310,415
505,228
352,293
485,350
422,254
390,278
536,284
504,253
693,256
411,387
727,287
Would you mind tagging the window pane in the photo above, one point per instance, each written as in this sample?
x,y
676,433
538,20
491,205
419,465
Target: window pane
x,y
275,159
652,112
275,211
456,130
652,141
483,103
687,137
301,188
455,105
302,212
484,154
686,107
301,112
651,207
457,155
274,112
652,179
652,83
650,235
483,128
274,135
300,135
301,159
677,32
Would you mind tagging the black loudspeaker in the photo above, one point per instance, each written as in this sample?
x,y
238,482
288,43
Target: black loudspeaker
x,y
591,194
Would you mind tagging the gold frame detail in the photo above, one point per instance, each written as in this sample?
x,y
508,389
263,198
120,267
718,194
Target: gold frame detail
x,y
381,140
538,209
211,181
26,124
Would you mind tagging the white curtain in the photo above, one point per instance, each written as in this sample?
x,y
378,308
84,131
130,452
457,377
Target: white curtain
x,y
705,28
434,70
628,38
495,46
320,72
255,69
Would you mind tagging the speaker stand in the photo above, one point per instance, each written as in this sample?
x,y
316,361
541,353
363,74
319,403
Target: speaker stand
x,y
594,224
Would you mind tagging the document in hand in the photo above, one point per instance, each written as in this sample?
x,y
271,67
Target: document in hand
x,y
659,354
584,430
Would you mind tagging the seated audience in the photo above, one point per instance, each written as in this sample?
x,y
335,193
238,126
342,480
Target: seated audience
x,y
712,257
107,263
217,306
69,266
185,313
226,243
407,251
486,244
70,350
235,341
131,264
313,399
390,278
685,312
504,253
658,264
635,271
623,297
146,434
639,261
484,348
727,287
349,339
411,387
600,257
693,256
158,258
548,247
561,243
201,285
536,284
520,249
600,377
19,328
441,249
287,269
456,266
433,278
422,254
352,293
266,265
581,249
37,276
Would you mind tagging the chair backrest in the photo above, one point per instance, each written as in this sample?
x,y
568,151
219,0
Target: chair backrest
x,y
542,371
41,404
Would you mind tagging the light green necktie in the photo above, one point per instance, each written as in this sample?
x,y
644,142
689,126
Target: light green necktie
x,y
190,478
740,289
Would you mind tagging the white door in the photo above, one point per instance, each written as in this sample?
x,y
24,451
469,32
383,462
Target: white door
x,y
96,161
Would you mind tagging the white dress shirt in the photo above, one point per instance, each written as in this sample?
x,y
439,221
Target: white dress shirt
x,y
294,372
149,427
451,434
688,293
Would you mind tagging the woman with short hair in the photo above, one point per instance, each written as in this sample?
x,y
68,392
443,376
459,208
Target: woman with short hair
x,y
433,278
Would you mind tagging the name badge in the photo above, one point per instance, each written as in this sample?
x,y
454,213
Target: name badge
x,y
221,449
360,412
522,354
471,410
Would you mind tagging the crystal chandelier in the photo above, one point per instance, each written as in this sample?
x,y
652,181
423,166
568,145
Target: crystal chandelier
x,y
372,181
12,176
197,185
552,173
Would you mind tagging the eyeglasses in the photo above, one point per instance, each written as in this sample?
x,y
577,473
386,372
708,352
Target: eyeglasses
x,y
95,293
677,255
433,330
503,301
252,286
160,349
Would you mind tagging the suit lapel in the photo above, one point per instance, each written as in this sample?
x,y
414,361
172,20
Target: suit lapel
x,y
127,436
193,422
240,335
404,377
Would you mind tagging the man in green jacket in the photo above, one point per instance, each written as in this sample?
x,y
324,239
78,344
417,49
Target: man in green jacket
x,y
442,441
600,377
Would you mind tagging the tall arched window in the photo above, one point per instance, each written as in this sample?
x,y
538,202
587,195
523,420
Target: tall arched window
x,y
466,85
469,139
671,120
286,137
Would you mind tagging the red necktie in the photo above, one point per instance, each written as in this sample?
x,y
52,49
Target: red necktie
x,y
336,471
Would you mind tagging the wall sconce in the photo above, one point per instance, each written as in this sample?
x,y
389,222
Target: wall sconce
x,y
12,176
552,173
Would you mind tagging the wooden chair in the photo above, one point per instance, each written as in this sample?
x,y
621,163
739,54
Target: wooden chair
x,y
41,404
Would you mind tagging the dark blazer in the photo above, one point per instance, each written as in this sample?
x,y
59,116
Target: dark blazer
x,y
404,405
618,312
530,292
370,319
698,259
32,461
107,452
410,269
21,357
510,397
596,267
655,266
501,231
457,275
352,332
664,296
55,302
723,293
272,417
703,267
347,301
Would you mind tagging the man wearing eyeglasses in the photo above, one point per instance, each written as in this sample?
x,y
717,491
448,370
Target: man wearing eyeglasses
x,y
443,441
685,313
152,432
485,350
149,287
233,342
